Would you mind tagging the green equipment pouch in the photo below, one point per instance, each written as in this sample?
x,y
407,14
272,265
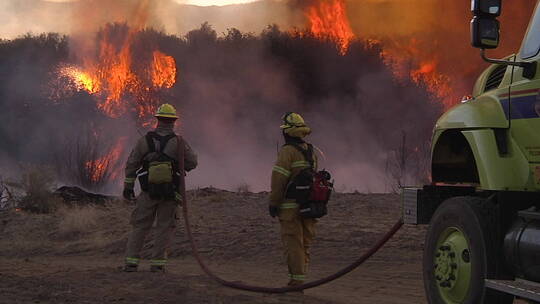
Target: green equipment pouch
x,y
160,172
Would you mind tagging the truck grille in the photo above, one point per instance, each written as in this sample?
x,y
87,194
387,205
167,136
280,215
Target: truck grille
x,y
495,78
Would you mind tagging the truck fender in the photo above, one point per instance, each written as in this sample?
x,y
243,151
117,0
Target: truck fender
x,y
472,156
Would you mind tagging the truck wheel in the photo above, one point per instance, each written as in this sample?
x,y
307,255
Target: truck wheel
x,y
460,252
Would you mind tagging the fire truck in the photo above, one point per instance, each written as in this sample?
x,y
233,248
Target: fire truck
x,y
482,244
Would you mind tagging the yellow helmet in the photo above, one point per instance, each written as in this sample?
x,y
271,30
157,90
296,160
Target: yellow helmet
x,y
294,125
166,110
291,120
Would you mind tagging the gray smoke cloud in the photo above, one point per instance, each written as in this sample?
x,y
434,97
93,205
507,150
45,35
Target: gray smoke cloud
x,y
231,91
86,16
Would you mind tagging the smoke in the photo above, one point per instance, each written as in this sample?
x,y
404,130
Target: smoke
x,y
16,14
231,93
87,16
234,86
433,36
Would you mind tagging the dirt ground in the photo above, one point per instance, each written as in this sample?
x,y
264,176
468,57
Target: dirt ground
x,y
73,255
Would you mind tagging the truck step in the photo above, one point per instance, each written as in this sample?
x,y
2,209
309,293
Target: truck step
x,y
520,288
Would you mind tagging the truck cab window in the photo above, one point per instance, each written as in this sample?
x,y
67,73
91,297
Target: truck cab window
x,y
531,46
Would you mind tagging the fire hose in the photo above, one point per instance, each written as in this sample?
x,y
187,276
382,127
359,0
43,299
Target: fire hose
x,y
237,285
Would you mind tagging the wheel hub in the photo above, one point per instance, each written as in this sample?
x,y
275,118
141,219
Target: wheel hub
x,y
452,266
446,270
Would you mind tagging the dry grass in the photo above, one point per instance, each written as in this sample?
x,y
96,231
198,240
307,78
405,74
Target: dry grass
x,y
25,233
69,230
86,228
79,219
218,197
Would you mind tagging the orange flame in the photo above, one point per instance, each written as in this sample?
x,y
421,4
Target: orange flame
x,y
81,80
99,168
118,81
328,19
113,71
408,63
436,83
163,70
111,77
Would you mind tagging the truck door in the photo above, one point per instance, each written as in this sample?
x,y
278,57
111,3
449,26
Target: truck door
x,y
525,94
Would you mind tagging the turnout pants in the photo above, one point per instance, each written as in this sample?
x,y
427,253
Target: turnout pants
x,y
297,234
146,211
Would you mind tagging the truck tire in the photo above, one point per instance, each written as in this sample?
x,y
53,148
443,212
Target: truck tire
x,y
461,250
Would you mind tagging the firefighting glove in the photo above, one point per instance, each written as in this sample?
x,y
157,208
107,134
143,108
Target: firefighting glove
x,y
129,194
273,210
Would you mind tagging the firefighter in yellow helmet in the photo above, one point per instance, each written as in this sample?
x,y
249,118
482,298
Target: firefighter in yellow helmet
x,y
296,232
155,162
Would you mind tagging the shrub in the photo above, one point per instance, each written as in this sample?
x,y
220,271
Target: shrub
x,y
82,162
243,188
36,183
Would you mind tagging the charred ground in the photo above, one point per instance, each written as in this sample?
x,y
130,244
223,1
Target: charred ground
x,y
72,255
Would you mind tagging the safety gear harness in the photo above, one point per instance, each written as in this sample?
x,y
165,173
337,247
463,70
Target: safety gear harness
x,y
159,174
310,189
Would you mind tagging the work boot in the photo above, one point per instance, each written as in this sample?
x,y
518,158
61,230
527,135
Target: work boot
x,y
157,268
130,268
295,283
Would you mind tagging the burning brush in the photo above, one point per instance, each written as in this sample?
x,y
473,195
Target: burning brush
x,y
119,83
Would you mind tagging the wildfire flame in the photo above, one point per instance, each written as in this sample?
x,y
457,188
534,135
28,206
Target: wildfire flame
x,y
113,81
111,75
402,58
81,80
98,169
436,83
328,19
163,70
119,82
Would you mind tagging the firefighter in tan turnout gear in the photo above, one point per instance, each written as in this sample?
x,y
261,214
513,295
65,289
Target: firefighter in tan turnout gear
x,y
155,162
296,232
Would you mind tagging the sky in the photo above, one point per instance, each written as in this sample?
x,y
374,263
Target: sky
x,y
214,2
192,2
20,17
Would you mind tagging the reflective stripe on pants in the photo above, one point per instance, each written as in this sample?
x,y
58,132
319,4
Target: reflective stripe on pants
x,y
131,260
297,277
158,262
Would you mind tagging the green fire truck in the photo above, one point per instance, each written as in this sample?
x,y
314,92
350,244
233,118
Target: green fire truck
x,y
482,244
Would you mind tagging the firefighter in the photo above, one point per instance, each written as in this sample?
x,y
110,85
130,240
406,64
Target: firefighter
x,y
296,232
154,161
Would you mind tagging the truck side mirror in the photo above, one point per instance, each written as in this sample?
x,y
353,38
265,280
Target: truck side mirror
x,y
485,32
491,8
